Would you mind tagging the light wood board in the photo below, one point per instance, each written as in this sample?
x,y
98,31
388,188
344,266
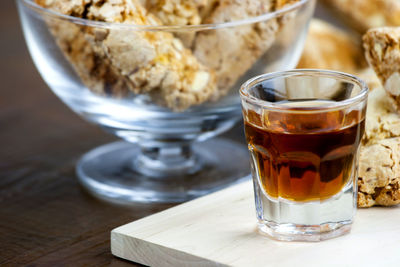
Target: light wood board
x,y
220,230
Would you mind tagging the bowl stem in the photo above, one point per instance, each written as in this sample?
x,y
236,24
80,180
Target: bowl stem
x,y
161,162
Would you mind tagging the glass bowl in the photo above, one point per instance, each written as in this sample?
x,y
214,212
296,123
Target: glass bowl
x,y
165,90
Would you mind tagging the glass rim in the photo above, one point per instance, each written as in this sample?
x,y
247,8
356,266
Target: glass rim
x,y
173,28
360,97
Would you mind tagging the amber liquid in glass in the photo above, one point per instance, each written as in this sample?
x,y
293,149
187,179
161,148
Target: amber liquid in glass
x,y
304,157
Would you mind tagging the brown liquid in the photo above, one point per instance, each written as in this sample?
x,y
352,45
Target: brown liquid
x,y
304,157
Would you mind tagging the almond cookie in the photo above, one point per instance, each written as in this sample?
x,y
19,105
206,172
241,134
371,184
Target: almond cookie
x,y
94,70
328,47
382,120
232,51
379,174
179,12
176,12
382,50
366,14
155,63
378,170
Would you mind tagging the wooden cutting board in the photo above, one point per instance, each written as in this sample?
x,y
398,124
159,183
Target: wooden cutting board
x,y
220,230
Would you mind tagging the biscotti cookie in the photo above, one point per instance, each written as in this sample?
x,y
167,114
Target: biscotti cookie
x,y
382,49
379,174
158,63
328,47
95,71
179,12
366,14
155,63
232,51
382,120
378,182
176,12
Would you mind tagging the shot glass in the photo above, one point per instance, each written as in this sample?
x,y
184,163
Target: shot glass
x,y
303,129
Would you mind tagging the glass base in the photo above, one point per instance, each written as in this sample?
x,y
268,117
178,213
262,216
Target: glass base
x,y
110,172
287,220
309,233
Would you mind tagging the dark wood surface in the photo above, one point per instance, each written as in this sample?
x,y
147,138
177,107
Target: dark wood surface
x,y
46,219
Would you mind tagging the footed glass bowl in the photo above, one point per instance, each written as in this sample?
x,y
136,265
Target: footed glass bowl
x,y
165,90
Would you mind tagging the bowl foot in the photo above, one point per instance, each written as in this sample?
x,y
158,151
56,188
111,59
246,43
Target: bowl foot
x,y
109,172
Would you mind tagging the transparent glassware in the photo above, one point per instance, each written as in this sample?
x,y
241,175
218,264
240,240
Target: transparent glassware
x,y
304,129
167,155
